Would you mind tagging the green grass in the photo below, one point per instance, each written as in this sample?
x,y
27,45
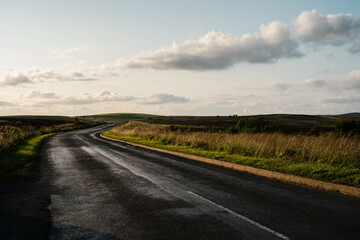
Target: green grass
x,y
347,175
20,139
17,164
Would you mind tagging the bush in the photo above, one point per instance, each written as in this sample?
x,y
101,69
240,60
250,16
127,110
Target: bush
x,y
202,145
167,141
173,128
249,125
232,130
313,132
346,125
288,153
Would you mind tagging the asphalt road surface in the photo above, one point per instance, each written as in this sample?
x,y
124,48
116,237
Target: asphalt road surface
x,y
86,187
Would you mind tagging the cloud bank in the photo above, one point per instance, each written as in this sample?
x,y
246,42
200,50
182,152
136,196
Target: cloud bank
x,y
347,82
33,75
5,104
72,52
216,50
162,98
354,48
103,97
39,94
16,79
335,29
280,87
342,100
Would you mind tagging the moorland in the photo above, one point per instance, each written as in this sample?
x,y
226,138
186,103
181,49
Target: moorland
x,y
314,146
318,147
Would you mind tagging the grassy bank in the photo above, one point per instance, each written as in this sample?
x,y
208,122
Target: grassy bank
x,y
17,164
325,157
20,140
14,131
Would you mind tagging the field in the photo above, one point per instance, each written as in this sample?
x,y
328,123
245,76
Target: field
x,y
120,117
20,139
325,156
42,117
285,123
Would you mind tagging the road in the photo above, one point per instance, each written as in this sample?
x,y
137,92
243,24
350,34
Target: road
x,y
87,187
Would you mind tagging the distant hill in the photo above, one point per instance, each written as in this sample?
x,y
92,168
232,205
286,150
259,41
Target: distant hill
x,y
121,116
287,123
44,117
349,114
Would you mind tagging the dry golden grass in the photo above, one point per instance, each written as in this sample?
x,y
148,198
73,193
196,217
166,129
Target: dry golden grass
x,y
14,131
326,148
20,140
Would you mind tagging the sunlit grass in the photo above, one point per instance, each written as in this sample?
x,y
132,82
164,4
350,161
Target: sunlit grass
x,y
325,157
20,140
17,164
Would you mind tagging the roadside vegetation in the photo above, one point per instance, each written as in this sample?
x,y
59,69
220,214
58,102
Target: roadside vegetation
x,y
20,140
331,156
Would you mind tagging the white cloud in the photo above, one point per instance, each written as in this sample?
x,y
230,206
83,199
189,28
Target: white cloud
x,y
104,70
5,104
104,96
230,101
72,52
15,79
333,29
313,83
78,76
161,98
350,81
39,94
32,75
341,100
216,50
281,87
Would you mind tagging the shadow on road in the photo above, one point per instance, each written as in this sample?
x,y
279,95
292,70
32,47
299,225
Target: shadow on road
x,y
14,226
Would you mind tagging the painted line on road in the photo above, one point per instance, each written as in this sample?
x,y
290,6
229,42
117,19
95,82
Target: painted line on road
x,y
282,236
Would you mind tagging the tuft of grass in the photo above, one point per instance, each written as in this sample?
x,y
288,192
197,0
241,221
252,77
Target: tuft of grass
x,y
326,156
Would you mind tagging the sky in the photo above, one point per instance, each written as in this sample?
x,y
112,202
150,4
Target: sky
x,y
179,57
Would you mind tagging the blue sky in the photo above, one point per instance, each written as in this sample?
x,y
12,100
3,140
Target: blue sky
x,y
179,57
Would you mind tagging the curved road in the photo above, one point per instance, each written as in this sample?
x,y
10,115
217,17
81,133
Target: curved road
x,y
87,187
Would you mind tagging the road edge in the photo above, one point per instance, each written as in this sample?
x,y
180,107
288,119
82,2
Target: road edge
x,y
346,190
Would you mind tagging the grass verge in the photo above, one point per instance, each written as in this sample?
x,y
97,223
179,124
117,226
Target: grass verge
x,y
331,171
17,164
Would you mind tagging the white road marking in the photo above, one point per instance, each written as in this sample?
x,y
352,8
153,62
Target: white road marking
x,y
139,173
282,236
